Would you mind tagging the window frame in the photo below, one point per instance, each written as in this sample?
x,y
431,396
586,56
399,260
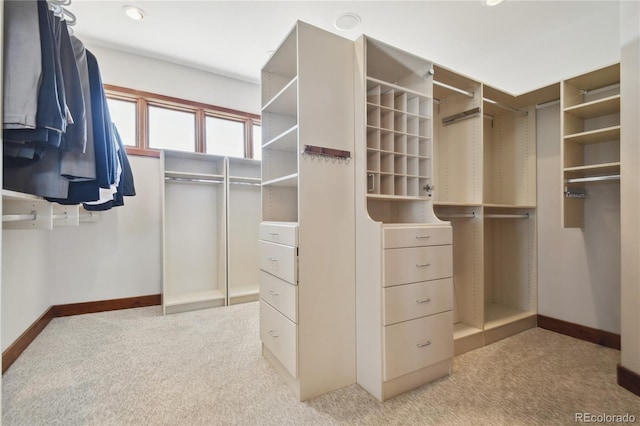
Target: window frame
x,y
201,110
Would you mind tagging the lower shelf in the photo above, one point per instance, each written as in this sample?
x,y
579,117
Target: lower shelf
x,y
466,338
496,315
244,293
192,301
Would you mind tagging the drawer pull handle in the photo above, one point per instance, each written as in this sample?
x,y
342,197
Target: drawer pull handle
x,y
427,300
423,237
273,293
273,233
423,345
272,259
273,334
422,265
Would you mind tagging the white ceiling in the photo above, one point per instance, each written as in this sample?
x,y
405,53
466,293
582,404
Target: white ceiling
x,y
517,46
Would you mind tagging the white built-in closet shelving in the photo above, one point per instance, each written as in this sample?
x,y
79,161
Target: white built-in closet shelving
x,y
243,220
485,180
403,251
211,213
27,211
591,139
307,297
193,231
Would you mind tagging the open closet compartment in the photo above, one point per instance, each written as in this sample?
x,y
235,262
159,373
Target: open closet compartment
x,y
243,221
306,254
193,231
591,141
404,297
458,178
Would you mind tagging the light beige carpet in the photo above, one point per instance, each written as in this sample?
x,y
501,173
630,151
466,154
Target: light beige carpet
x,y
136,367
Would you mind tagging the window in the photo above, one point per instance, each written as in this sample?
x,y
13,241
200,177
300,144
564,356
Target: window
x,y
172,129
257,142
123,114
225,137
149,122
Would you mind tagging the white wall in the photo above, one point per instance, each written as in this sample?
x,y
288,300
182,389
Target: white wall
x,y
578,268
630,189
120,255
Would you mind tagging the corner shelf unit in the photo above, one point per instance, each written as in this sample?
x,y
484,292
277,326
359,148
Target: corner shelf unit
x,y
591,138
485,184
306,258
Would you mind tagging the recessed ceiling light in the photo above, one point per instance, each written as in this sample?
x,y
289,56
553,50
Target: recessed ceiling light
x,y
491,2
347,21
134,13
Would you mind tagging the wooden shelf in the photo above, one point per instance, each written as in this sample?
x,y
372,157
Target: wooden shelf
x,y
592,170
462,330
508,206
595,136
190,175
285,141
605,106
195,297
14,195
285,102
499,315
284,181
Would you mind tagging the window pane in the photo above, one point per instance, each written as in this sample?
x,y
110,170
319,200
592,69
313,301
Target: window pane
x,y
224,137
171,129
257,142
123,115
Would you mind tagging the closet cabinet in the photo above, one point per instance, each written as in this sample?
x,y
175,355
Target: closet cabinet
x,y
403,251
590,152
485,180
193,231
306,254
243,219
211,213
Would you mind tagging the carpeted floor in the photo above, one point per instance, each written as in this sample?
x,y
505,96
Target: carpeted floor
x,y
136,367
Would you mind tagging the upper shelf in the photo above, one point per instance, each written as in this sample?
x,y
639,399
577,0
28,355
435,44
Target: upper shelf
x,y
595,136
285,101
599,107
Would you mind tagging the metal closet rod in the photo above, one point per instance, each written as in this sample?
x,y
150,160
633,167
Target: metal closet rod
x,y
455,89
593,179
471,215
507,216
599,89
178,179
19,217
508,108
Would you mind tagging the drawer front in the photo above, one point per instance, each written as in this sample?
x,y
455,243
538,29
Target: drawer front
x,y
416,344
279,233
279,335
412,265
410,301
417,237
280,294
279,260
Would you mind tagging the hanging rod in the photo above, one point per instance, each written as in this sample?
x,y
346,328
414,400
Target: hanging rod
x,y
600,89
507,216
244,183
64,216
593,179
179,179
455,89
471,215
508,108
19,217
460,116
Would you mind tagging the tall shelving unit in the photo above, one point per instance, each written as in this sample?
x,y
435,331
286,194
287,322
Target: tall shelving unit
x,y
193,231
404,314
591,139
307,294
458,179
485,179
243,220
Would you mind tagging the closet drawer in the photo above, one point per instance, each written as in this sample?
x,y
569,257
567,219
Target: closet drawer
x,y
279,335
410,301
279,260
417,236
280,294
281,233
412,265
416,344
